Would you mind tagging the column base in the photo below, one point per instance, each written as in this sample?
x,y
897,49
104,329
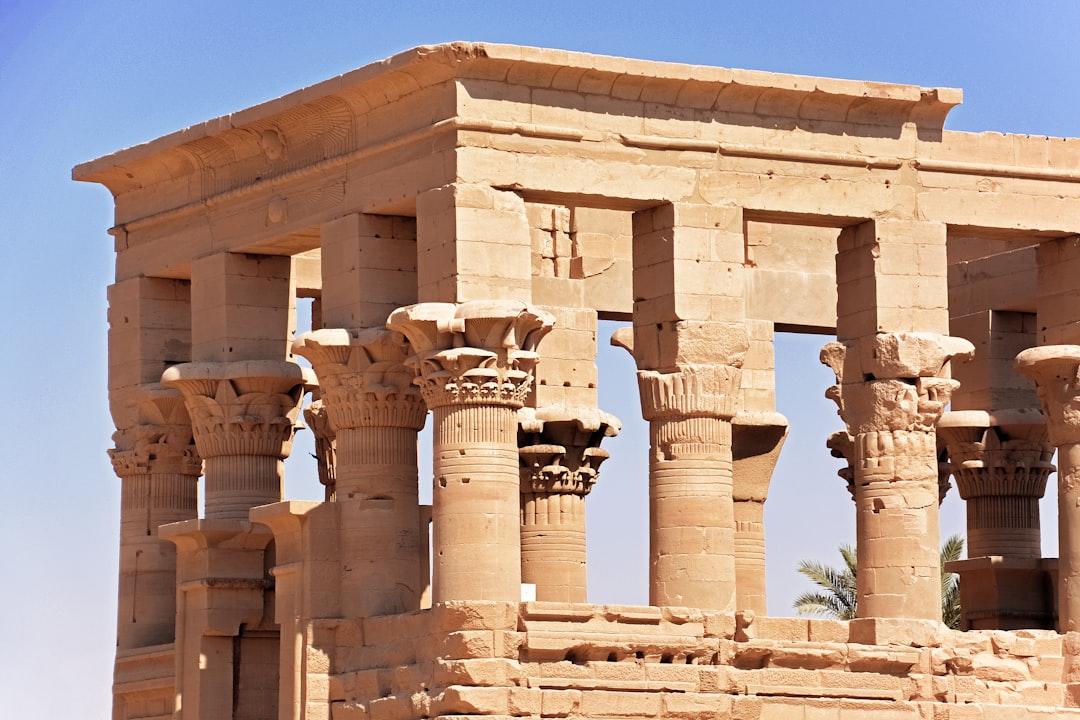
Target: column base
x,y
998,593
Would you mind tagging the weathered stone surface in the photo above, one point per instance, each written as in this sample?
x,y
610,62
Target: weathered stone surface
x,y
444,210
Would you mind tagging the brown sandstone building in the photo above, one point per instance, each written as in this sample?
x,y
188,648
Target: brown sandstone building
x,y
462,216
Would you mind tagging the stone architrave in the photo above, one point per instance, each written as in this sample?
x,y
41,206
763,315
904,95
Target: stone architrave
x,y
474,364
1056,372
691,513
890,396
159,467
375,412
243,417
560,461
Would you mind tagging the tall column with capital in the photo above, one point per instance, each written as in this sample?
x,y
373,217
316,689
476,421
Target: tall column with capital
x,y
159,467
375,412
154,455
1056,372
757,437
688,341
475,364
560,460
890,397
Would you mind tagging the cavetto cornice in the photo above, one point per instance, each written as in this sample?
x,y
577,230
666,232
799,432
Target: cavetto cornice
x,y
326,112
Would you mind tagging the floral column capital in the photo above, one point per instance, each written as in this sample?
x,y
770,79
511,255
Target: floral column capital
x,y
248,407
363,379
481,352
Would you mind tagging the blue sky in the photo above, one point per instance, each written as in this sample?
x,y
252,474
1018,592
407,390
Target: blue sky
x,y
82,79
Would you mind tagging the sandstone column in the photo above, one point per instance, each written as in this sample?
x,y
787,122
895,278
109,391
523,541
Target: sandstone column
x,y
689,340
154,455
757,437
475,364
890,396
756,441
1056,372
375,412
243,416
560,460
159,468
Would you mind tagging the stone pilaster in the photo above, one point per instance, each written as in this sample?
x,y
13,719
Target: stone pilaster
x,y
890,397
375,412
1056,372
560,459
243,417
225,636
159,469
756,441
474,365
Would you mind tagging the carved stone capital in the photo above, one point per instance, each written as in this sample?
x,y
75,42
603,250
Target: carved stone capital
x,y
560,448
691,391
842,446
317,419
363,379
1056,372
242,408
890,382
479,352
162,442
999,454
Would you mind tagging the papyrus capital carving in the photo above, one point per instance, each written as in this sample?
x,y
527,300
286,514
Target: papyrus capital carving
x,y
691,391
480,352
891,382
363,379
1056,372
162,441
997,454
560,448
242,408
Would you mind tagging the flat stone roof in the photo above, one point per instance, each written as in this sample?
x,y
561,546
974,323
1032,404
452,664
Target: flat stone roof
x,y
696,87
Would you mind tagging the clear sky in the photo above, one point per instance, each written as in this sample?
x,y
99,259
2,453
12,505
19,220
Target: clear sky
x,y
81,79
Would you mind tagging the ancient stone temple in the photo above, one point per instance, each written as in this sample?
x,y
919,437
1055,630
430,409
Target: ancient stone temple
x,y
461,217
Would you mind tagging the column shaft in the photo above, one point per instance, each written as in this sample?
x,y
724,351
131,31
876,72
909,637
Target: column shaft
x,y
896,525
476,505
553,545
146,610
380,520
237,483
692,536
